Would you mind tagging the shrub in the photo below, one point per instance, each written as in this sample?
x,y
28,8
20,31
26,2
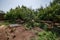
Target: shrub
x,y
46,36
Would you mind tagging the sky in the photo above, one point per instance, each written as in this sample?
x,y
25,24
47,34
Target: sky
x,y
6,5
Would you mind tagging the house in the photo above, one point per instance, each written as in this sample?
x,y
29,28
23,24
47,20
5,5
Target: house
x,y
2,15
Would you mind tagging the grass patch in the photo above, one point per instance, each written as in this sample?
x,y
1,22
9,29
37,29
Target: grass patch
x,y
46,36
4,23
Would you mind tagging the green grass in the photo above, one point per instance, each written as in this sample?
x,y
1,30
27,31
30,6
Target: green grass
x,y
46,36
4,23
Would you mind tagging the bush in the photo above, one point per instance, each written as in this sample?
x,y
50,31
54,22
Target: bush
x,y
46,36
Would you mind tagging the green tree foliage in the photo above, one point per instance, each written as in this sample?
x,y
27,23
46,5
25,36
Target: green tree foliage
x,y
31,17
50,13
20,13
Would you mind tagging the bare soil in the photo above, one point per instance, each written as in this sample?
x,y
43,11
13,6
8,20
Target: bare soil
x,y
17,33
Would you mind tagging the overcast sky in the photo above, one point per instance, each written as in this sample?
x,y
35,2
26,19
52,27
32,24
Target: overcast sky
x,y
5,5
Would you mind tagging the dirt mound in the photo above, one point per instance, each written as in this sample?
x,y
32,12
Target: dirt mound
x,y
16,33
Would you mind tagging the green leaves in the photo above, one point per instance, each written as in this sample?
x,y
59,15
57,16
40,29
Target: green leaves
x,y
46,36
50,13
20,13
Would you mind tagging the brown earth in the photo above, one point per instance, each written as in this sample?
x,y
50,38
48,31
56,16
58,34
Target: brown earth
x,y
17,33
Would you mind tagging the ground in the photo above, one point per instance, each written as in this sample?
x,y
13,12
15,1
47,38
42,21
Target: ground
x,y
17,33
